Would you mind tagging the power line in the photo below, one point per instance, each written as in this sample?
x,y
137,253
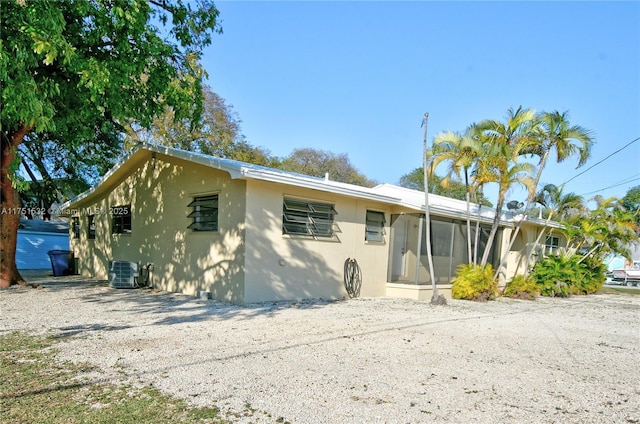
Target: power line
x,y
599,162
612,186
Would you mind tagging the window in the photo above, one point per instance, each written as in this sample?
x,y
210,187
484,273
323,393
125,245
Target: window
x,y
300,217
204,216
551,245
374,226
75,227
121,219
441,238
91,227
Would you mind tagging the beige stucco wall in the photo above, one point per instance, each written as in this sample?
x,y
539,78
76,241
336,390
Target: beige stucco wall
x,y
284,267
249,259
521,248
184,261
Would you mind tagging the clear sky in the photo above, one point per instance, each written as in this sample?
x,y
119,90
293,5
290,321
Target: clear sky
x,y
356,77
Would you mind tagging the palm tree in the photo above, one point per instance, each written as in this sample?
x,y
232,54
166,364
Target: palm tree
x,y
609,228
503,144
550,131
555,202
461,151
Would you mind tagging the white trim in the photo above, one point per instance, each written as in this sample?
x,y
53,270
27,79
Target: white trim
x,y
383,193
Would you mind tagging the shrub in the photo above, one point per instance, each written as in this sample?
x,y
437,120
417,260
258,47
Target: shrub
x,y
592,276
521,287
563,275
472,282
554,275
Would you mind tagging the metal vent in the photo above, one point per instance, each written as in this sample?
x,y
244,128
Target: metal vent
x,y
123,274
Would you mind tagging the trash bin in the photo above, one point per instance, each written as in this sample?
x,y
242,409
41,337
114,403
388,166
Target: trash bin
x,y
62,262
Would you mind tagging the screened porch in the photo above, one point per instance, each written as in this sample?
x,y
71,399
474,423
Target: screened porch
x,y
408,265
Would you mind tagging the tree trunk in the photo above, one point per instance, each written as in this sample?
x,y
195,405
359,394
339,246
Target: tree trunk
x,y
494,231
9,274
535,243
468,199
435,298
503,260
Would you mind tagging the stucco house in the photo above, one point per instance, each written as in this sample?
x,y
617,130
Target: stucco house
x,y
246,233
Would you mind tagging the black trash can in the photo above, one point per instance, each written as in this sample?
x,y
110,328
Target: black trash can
x,y
62,262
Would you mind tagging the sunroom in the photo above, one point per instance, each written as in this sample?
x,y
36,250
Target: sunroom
x,y
409,275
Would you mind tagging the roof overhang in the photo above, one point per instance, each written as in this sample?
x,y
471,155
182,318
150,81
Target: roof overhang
x,y
402,197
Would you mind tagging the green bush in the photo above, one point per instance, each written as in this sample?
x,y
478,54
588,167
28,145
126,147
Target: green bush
x,y
592,273
564,275
521,287
472,282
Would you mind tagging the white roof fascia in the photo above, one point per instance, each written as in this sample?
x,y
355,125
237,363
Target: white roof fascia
x,y
241,170
384,193
65,206
444,206
317,184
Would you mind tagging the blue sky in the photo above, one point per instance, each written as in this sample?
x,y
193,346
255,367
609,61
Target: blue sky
x,y
357,77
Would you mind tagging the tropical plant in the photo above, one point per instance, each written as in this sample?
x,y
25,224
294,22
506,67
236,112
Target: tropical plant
x,y
499,167
474,283
609,228
553,276
568,273
521,287
502,146
550,131
460,151
555,204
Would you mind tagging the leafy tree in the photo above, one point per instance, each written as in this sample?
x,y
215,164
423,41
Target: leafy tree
x,y
58,171
217,133
317,163
72,69
631,202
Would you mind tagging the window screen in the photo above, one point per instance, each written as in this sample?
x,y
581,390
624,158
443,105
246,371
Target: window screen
x,y
75,224
374,226
301,217
91,227
121,219
204,214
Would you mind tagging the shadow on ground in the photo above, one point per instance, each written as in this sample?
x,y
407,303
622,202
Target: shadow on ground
x,y
162,308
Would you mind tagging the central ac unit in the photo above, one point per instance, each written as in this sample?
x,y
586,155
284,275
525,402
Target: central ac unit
x,y
123,274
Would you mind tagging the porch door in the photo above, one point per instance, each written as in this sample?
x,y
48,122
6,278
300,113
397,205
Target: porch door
x,y
399,249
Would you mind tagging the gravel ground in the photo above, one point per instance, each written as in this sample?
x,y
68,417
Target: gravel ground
x,y
368,360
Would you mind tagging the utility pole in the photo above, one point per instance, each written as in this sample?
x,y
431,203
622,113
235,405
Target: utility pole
x,y
427,213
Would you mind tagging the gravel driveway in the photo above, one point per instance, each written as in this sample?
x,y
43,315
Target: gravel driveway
x,y
368,360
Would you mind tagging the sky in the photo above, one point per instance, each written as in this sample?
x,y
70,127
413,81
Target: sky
x,y
357,77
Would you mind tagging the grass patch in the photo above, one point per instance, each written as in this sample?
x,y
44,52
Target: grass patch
x,y
35,388
620,290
